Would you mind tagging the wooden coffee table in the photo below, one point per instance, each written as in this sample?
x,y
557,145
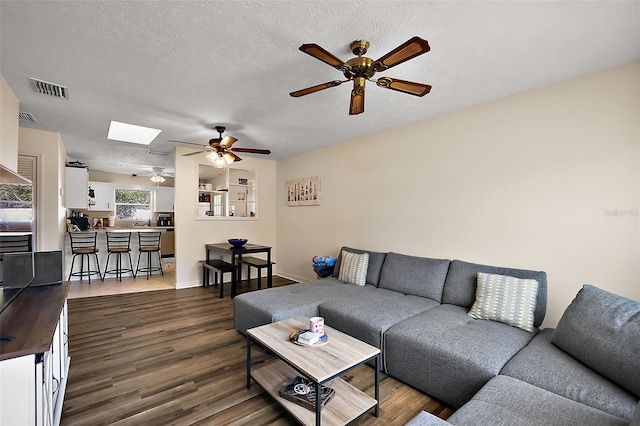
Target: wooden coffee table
x,y
320,364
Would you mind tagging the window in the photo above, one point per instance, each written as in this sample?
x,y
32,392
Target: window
x,y
133,204
17,201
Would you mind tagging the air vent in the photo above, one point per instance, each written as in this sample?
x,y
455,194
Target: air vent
x,y
50,89
157,153
26,116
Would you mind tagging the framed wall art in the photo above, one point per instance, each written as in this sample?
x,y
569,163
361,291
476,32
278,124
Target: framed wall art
x,y
303,191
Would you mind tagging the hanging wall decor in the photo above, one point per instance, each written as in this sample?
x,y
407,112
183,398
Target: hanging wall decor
x,y
303,191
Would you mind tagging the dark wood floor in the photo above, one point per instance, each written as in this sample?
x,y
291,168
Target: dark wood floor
x,y
172,357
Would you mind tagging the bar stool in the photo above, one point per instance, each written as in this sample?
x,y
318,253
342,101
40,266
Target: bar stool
x,y
83,244
149,242
14,244
118,243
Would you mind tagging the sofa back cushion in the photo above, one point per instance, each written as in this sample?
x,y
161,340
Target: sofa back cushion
x,y
418,276
376,260
460,286
602,330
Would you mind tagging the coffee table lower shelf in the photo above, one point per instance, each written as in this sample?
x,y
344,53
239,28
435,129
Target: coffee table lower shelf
x,y
347,404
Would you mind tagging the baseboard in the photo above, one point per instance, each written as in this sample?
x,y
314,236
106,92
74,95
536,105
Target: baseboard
x,y
188,284
290,277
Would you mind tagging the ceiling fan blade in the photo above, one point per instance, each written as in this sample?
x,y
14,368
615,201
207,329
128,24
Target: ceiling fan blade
x,y
252,150
417,89
195,153
357,96
235,157
409,49
323,55
227,141
317,88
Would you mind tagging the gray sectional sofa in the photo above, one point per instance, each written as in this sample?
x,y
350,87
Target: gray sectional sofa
x,y
415,310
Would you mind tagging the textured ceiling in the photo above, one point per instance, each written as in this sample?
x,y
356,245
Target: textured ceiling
x,y
184,67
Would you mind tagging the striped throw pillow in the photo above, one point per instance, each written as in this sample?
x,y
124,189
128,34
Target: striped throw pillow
x,y
353,268
505,299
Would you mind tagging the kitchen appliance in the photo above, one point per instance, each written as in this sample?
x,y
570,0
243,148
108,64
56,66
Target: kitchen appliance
x,y
164,220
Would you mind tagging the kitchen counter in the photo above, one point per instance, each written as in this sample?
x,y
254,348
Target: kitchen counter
x,y
166,245
31,319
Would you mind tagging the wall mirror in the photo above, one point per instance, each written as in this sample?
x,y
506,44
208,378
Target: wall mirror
x,y
226,193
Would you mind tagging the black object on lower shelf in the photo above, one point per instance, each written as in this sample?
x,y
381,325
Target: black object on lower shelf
x,y
302,391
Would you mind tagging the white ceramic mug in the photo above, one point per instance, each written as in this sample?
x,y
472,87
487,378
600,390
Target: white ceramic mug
x,y
316,325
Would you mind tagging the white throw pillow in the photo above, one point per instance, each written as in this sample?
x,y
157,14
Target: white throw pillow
x,y
509,300
353,268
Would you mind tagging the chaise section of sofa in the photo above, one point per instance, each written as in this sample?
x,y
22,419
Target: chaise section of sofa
x,y
275,304
446,353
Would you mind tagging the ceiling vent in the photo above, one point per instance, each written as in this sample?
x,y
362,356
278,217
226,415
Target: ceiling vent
x,y
50,89
157,153
26,116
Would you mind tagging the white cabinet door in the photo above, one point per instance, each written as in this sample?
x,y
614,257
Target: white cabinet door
x,y
164,199
103,196
76,188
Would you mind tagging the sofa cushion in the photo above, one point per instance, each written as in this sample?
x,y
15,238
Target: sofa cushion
x,y
274,304
448,355
369,315
505,299
602,330
546,366
353,268
376,259
418,276
505,401
460,286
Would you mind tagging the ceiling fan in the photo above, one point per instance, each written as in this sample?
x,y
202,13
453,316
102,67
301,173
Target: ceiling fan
x,y
361,69
220,151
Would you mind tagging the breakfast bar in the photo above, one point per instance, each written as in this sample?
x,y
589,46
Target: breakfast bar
x,y
101,243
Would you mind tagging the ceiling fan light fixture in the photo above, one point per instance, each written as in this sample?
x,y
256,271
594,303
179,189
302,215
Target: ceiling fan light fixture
x,y
217,159
157,179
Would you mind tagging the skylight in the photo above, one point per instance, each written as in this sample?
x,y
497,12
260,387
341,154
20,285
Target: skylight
x,y
131,133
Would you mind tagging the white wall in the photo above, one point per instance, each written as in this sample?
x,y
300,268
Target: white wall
x,y
50,212
192,233
9,109
547,180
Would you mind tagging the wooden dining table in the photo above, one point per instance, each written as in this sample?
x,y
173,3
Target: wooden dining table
x,y
236,254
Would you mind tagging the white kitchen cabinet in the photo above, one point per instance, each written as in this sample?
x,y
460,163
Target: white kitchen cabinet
x,y
33,386
76,188
164,199
104,196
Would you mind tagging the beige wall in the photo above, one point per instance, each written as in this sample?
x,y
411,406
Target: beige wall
x,y
192,234
547,179
9,109
50,212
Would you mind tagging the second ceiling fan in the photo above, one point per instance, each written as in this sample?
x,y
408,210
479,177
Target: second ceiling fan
x,y
361,69
220,152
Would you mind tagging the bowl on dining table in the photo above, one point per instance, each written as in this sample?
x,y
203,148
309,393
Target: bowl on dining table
x,y
237,242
